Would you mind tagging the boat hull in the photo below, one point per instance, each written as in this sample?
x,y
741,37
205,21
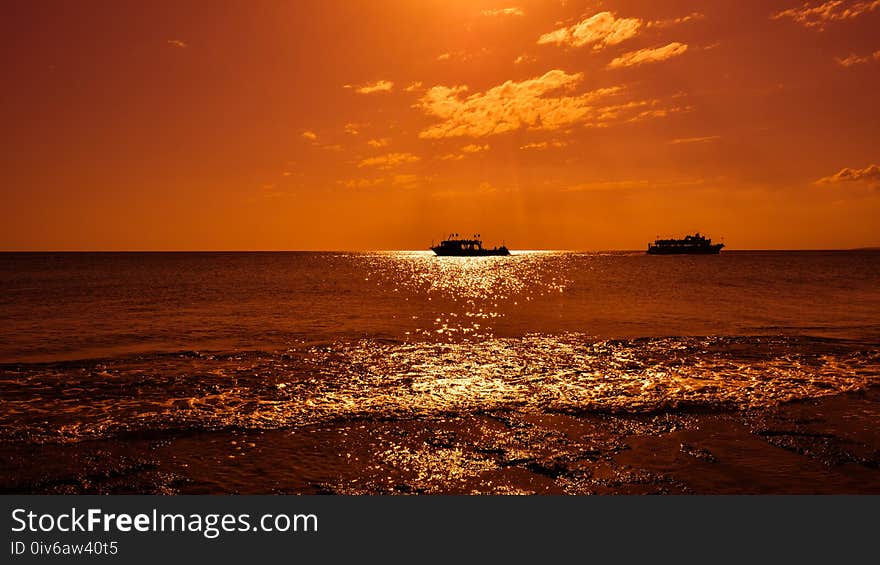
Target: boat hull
x,y
500,252
702,250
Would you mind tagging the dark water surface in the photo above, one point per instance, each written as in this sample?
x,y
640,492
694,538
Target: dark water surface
x,y
96,344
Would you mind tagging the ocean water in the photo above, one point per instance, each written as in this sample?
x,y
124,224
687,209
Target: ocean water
x,y
98,344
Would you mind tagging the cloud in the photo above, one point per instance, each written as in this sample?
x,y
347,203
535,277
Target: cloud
x,y
504,12
648,55
378,86
524,59
460,55
352,128
473,148
858,60
510,106
685,140
389,160
381,142
633,184
657,112
178,43
406,181
870,175
485,188
817,15
600,30
361,182
544,144
310,135
413,87
675,21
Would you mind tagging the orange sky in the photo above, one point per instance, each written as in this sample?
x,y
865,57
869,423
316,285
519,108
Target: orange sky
x,y
386,124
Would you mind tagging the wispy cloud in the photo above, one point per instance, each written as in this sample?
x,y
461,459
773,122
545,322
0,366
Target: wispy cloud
x,y
389,160
412,87
540,145
693,16
474,148
451,157
819,14
648,55
444,57
485,188
514,11
398,180
179,43
541,103
509,106
600,30
633,184
685,140
467,149
656,112
313,138
405,181
352,128
378,86
869,176
381,142
361,183
853,60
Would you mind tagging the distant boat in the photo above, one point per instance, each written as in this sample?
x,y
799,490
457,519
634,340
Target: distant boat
x,y
691,245
457,247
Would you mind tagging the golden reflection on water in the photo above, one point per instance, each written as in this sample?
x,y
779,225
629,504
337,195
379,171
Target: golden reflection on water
x,y
468,291
423,380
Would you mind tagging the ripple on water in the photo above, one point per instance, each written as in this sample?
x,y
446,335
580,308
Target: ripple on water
x,y
404,380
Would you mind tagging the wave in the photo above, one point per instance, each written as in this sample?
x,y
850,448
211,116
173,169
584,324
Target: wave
x,y
189,391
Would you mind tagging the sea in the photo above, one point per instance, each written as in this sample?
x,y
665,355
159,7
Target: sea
x,y
94,345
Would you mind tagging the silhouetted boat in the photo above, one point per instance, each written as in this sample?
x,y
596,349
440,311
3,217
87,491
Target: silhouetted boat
x,y
456,247
691,245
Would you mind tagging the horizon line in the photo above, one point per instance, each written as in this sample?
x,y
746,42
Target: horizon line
x,y
860,248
